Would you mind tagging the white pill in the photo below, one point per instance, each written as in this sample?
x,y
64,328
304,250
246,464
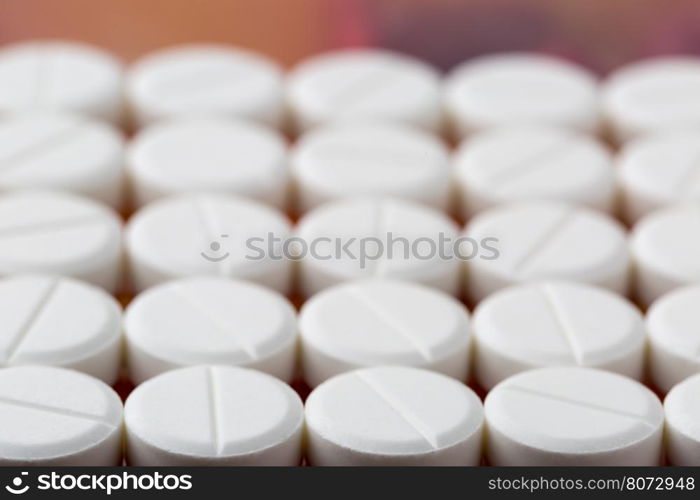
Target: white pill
x,y
518,89
665,246
364,85
55,417
546,240
205,80
653,95
64,76
64,152
659,170
210,321
62,234
208,234
682,407
573,416
533,163
393,416
388,238
208,154
60,322
382,322
556,324
673,323
213,415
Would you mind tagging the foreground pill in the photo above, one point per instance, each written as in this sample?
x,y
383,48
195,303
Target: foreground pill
x,y
573,416
213,415
533,163
388,238
556,323
205,80
210,321
382,322
60,322
364,85
682,407
657,171
61,234
52,416
673,323
652,96
208,154
64,76
665,246
393,416
370,160
63,152
520,89
207,234
546,240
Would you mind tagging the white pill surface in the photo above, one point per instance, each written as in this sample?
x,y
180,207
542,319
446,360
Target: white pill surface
x,y
573,416
533,163
364,85
393,416
659,170
370,160
207,234
682,408
665,246
546,240
653,95
388,238
519,89
556,324
208,155
61,75
210,321
383,322
673,324
56,417
205,80
63,152
60,322
213,415
62,234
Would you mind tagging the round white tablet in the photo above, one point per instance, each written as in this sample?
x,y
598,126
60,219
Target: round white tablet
x,y
682,406
60,322
64,152
62,234
393,416
518,89
665,246
388,238
60,75
382,322
533,163
370,160
56,417
659,170
653,95
364,85
205,80
573,416
673,323
196,321
208,154
213,415
546,240
556,324
208,234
